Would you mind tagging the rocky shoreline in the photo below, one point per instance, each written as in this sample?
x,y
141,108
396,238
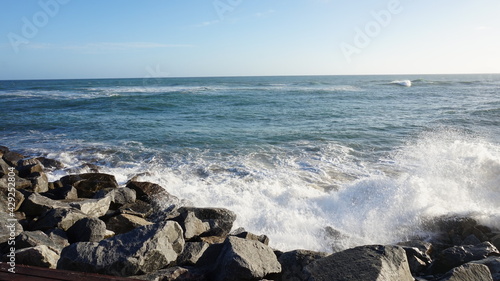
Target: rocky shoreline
x,y
88,223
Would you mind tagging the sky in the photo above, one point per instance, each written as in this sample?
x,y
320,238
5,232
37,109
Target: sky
x,y
64,39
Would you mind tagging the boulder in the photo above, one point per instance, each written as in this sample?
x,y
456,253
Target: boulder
x,y
124,223
20,183
458,255
139,208
468,272
418,259
4,203
62,218
62,193
493,263
37,204
29,166
50,164
193,251
147,191
92,207
143,250
119,196
243,259
374,262
205,221
89,183
59,237
250,236
294,262
10,227
4,168
41,256
28,239
12,158
87,230
39,182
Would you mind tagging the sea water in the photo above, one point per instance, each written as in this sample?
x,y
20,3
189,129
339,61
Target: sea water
x,y
314,162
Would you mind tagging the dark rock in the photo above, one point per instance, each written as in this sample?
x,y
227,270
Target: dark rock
x,y
143,250
471,240
87,230
124,223
12,158
62,218
193,251
59,237
138,208
37,204
119,196
62,193
468,272
294,262
41,256
242,259
147,191
3,150
417,260
493,263
39,182
29,166
176,273
205,221
90,183
4,168
458,255
50,164
374,262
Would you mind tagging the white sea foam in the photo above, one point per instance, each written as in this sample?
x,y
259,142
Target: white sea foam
x,y
298,197
405,83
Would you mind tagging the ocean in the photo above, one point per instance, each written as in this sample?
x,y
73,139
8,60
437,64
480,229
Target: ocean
x,y
314,162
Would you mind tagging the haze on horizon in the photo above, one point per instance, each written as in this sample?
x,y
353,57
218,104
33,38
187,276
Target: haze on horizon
x,y
52,39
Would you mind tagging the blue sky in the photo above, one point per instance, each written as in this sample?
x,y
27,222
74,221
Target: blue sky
x,y
50,39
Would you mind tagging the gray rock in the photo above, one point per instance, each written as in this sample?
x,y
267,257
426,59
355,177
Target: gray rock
x,y
147,191
19,182
243,259
87,230
143,250
62,218
205,221
37,204
59,237
139,208
50,164
124,223
468,272
294,262
242,233
41,256
92,207
89,183
417,259
458,255
10,227
375,262
193,251
4,201
12,158
176,273
39,182
28,239
119,196
67,192
493,263
4,168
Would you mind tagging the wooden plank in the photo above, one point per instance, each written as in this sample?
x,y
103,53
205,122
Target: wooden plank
x,y
32,273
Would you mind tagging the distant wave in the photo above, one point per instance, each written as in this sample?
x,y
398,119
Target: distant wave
x,y
405,83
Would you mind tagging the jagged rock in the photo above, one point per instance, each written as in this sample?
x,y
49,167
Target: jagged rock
x,y
375,262
4,168
12,158
294,262
193,251
10,227
458,255
417,253
39,182
62,218
143,250
87,230
89,183
62,193
119,196
41,256
4,203
50,164
92,207
20,183
147,191
468,272
59,237
205,221
28,239
37,204
29,166
243,259
124,223
493,263
242,233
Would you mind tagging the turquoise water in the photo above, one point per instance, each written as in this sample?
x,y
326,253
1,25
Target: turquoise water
x,y
366,155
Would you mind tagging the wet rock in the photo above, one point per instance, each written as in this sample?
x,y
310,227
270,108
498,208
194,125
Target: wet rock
x,y
193,251
147,191
143,250
62,218
124,223
294,262
458,255
50,164
89,183
205,221
41,256
468,272
87,230
374,262
243,259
